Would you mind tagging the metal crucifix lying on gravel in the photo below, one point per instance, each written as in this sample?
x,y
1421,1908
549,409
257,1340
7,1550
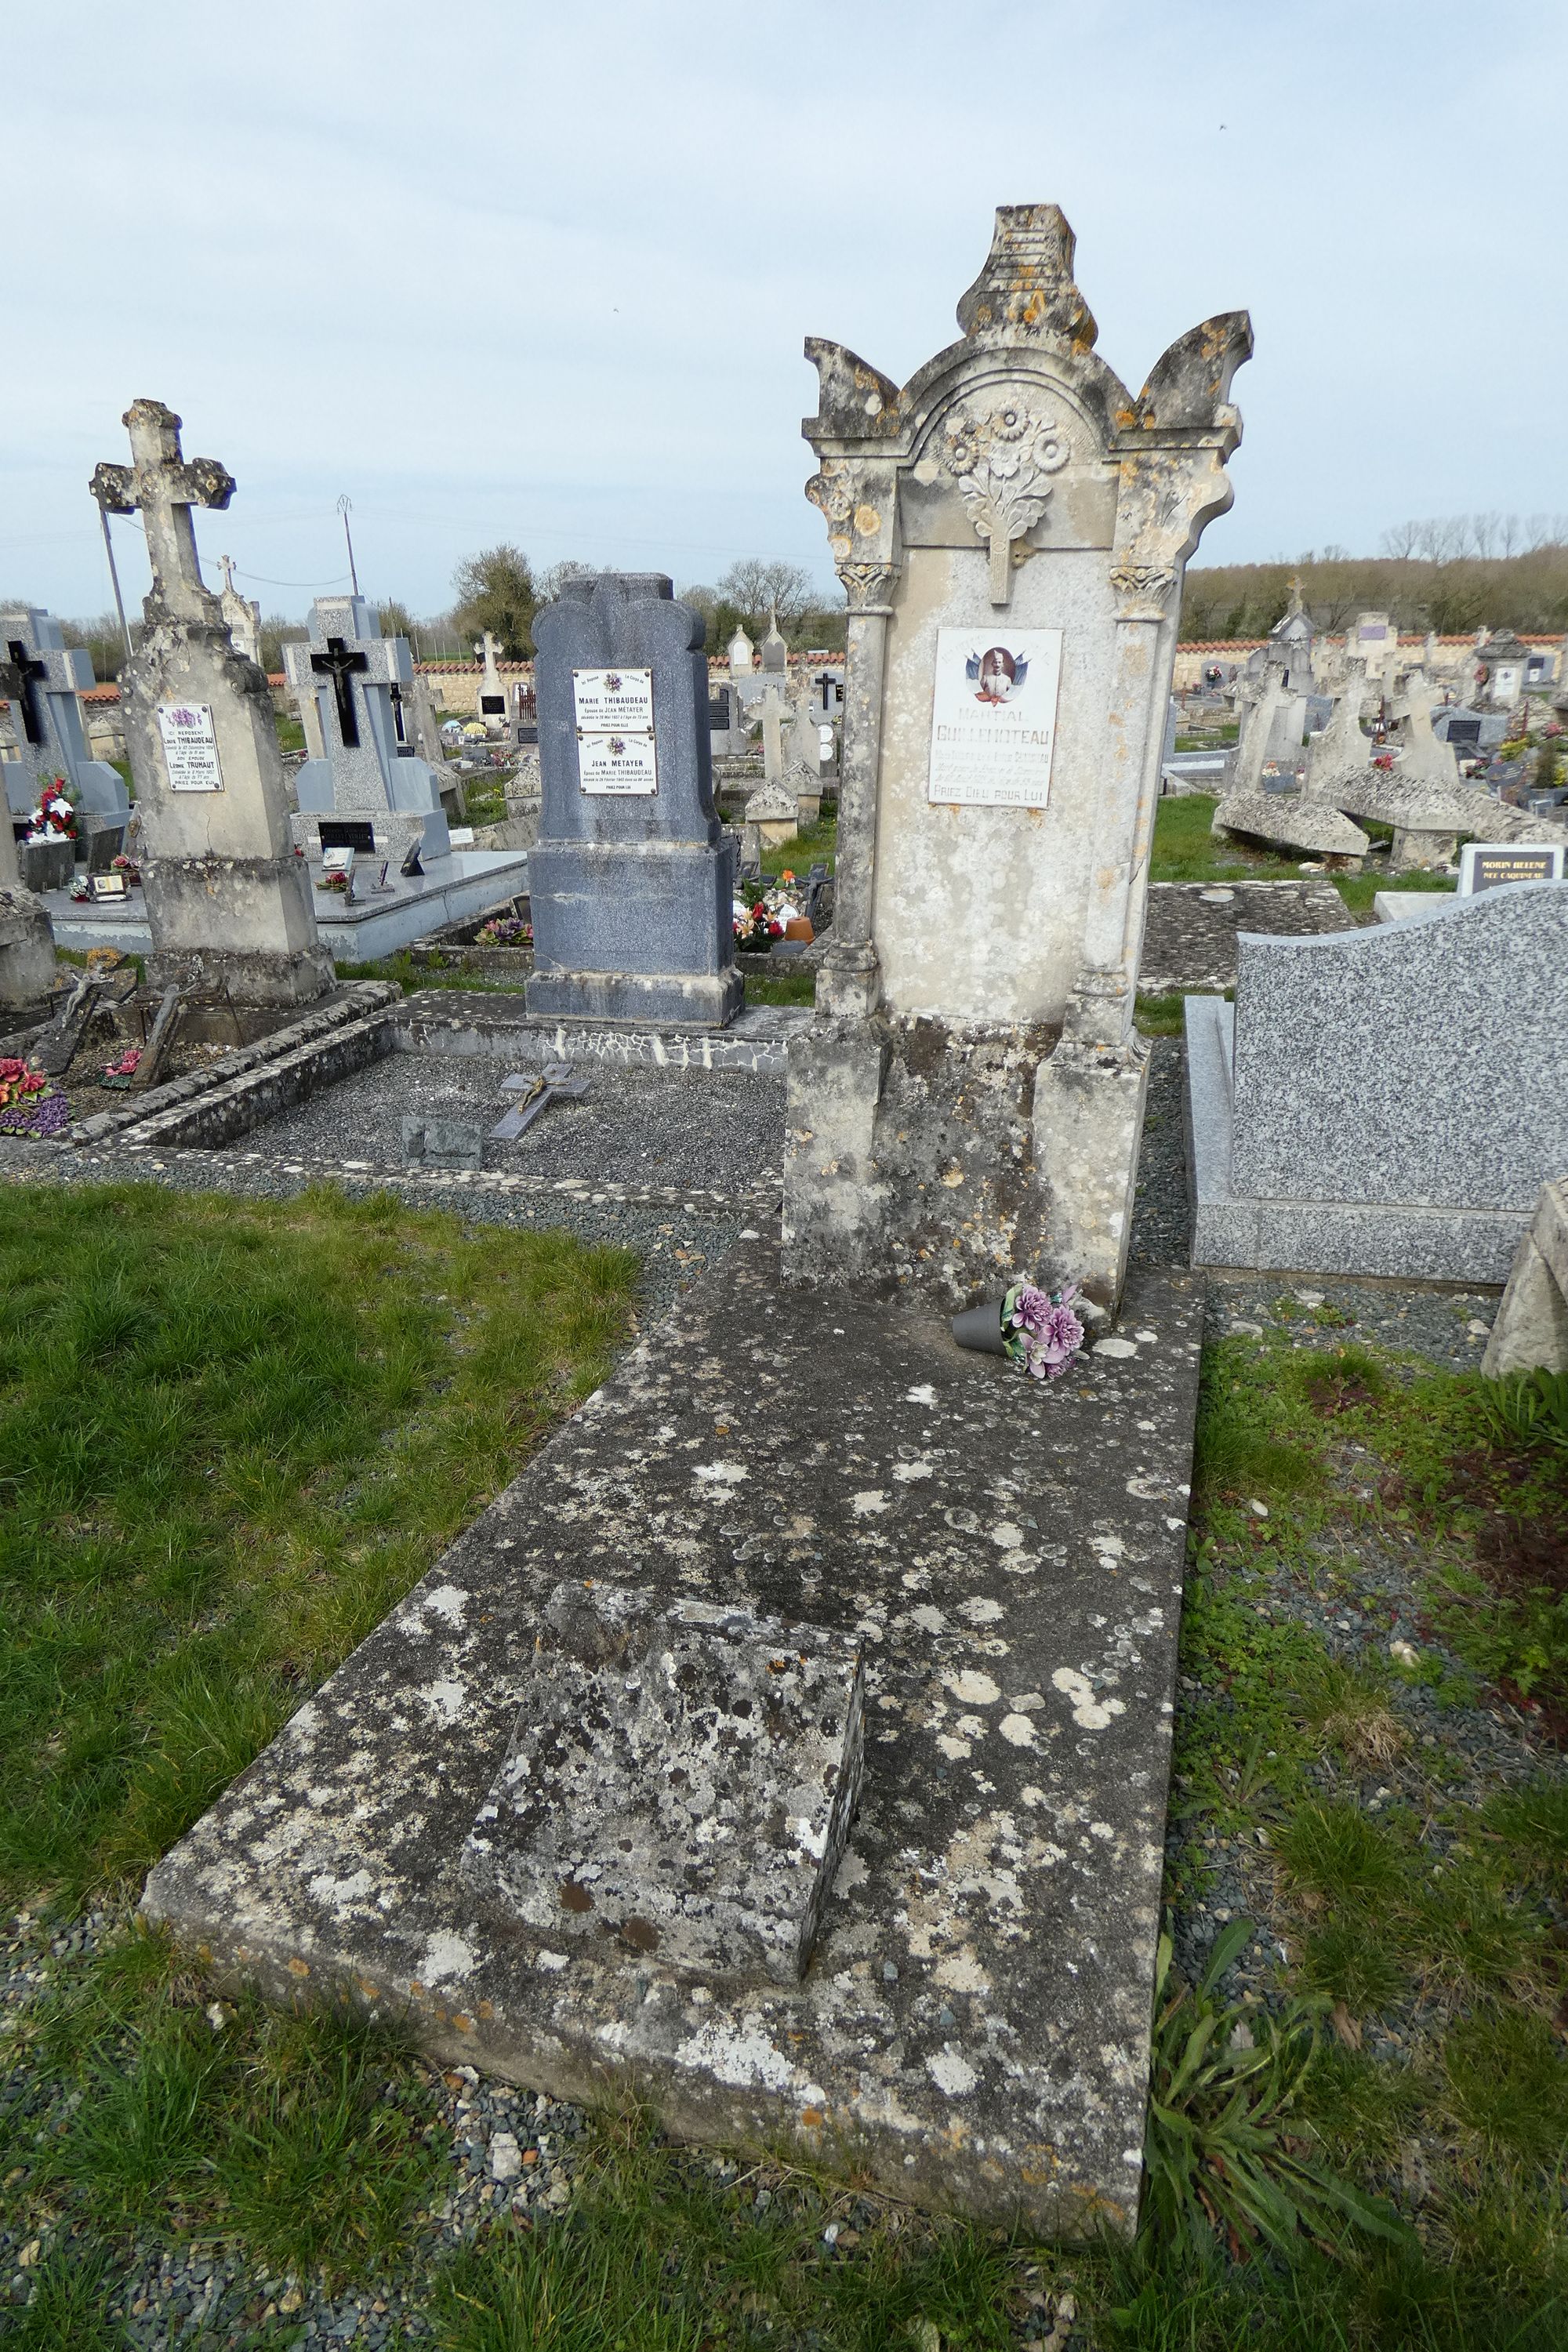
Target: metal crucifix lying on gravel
x,y
536,1088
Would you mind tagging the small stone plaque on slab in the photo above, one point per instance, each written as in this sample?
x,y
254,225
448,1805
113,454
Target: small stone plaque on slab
x,y
680,1779
190,747
994,716
1487,864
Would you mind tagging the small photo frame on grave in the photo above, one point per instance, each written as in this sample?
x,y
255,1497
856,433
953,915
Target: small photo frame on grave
x,y
109,886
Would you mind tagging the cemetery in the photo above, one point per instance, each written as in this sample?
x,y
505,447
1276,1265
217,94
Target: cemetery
x,y
788,1555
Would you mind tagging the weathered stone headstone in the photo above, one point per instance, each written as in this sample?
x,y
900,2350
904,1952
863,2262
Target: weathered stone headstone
x,y
1290,644
41,678
492,686
1387,1101
803,761
365,795
1531,1333
427,727
227,900
1374,642
1012,528
242,617
1262,707
1421,755
632,878
1340,749
26,949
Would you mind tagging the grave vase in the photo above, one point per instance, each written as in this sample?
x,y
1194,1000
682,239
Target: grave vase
x,y
980,1328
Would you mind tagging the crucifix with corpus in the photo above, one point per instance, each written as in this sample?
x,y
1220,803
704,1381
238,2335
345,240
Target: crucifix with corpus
x,y
359,679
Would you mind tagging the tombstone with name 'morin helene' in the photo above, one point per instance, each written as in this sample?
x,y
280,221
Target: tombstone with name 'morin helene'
x,y
1012,528
227,900
371,793
632,879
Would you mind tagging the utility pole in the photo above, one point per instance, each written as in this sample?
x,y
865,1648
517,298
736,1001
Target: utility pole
x,y
114,580
344,503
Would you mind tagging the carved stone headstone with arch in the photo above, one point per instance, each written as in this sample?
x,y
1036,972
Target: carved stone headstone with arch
x,y
1011,529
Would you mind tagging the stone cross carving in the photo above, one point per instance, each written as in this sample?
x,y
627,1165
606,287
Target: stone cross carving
x,y
165,487
341,662
1000,459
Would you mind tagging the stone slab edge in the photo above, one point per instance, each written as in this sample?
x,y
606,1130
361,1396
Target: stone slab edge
x,y
427,1026
368,998
974,2031
1232,1233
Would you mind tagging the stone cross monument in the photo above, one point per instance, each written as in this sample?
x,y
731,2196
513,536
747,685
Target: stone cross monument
x,y
1012,528
493,687
241,614
632,879
371,792
41,678
228,902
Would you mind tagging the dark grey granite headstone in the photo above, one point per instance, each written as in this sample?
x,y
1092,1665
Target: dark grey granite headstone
x,y
631,891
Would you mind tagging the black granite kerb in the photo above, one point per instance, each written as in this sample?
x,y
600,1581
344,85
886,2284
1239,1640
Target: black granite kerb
x,y
973,2027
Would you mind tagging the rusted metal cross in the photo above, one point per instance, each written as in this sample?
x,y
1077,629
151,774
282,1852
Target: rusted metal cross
x,y
165,487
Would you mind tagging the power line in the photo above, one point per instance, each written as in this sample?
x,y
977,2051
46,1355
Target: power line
x,y
260,577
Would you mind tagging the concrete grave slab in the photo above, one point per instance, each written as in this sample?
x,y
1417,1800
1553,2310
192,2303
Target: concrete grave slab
x,y
972,2028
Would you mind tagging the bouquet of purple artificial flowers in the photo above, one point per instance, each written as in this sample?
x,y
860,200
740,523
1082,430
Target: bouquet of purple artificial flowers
x,y
1040,1332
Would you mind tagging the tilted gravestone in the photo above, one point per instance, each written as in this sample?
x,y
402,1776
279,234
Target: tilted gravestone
x,y
370,793
1012,528
227,900
632,878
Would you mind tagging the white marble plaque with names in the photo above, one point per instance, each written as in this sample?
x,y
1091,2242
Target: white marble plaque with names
x,y
618,701
994,716
190,747
617,763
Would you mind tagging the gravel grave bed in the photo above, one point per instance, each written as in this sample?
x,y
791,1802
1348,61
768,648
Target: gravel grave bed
x,y
703,1127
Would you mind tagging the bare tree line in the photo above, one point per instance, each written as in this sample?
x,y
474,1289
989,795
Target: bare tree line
x,y
1453,573
1474,538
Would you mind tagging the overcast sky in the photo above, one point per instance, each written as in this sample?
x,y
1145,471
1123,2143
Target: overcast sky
x,y
506,271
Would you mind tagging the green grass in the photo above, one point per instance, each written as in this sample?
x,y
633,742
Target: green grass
x,y
814,845
783,987
1430,1900
1185,850
291,733
411,976
230,1436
